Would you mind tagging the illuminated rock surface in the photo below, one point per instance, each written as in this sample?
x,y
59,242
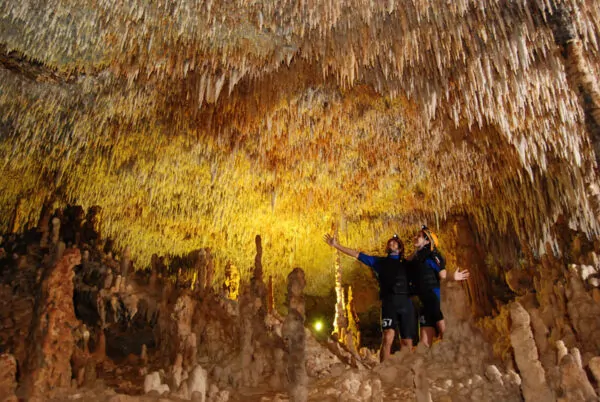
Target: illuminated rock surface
x,y
154,140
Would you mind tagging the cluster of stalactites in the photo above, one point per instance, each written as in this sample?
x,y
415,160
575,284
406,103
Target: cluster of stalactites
x,y
202,129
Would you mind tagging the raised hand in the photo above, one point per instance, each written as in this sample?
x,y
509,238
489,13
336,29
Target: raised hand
x,y
461,276
329,239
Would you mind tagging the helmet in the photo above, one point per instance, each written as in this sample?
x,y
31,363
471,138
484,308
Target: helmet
x,y
429,235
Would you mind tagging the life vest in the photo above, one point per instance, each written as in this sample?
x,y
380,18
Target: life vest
x,y
429,278
393,278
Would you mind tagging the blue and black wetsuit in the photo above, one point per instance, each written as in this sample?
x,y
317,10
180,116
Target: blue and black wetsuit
x,y
397,310
425,274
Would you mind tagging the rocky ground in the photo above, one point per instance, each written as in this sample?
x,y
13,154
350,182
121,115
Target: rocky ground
x,y
77,323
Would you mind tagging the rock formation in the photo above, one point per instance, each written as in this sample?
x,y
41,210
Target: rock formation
x,y
294,336
51,342
534,385
8,380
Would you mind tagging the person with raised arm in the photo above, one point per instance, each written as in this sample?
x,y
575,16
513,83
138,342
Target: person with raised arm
x,y
397,310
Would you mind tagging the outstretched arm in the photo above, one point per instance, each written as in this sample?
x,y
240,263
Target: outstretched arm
x,y
332,241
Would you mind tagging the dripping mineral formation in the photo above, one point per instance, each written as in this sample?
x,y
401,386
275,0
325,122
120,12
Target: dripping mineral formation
x,y
168,169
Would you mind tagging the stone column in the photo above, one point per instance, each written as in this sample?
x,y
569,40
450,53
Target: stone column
x,y
48,364
294,336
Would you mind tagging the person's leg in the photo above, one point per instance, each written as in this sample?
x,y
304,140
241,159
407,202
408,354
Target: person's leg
x,y
431,319
441,328
388,329
387,339
407,323
408,343
427,335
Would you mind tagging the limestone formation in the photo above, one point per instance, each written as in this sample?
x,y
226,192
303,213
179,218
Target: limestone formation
x,y
421,384
575,385
294,336
232,281
160,340
198,384
48,365
340,321
594,366
8,380
583,312
55,230
125,262
253,310
152,382
534,385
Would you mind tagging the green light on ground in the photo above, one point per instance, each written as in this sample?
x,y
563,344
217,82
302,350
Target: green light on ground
x,y
318,326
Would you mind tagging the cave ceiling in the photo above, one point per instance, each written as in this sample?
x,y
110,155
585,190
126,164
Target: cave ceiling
x,y
202,123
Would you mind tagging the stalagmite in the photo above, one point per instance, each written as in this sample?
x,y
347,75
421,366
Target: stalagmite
x,y
575,385
353,334
153,270
44,224
210,271
17,216
55,230
253,310
294,337
182,128
533,384
48,366
125,262
232,281
340,321
270,296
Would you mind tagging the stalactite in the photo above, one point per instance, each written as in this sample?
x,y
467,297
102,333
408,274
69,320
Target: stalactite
x,y
583,79
17,216
317,97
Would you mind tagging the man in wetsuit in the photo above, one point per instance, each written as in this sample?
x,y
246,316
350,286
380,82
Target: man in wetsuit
x,y
397,310
428,268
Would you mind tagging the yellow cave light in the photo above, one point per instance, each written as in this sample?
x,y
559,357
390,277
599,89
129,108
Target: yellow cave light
x,y
318,326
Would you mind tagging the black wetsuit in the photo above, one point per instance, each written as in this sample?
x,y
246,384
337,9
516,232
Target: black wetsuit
x,y
397,310
425,277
